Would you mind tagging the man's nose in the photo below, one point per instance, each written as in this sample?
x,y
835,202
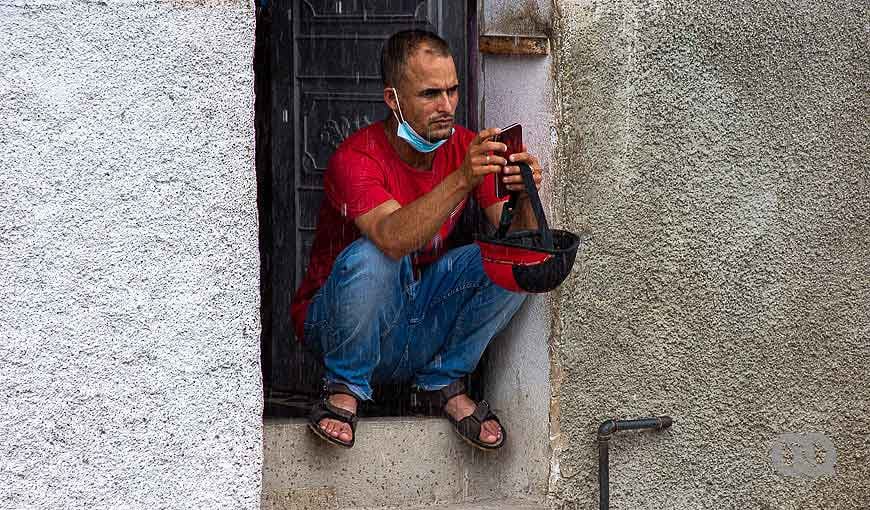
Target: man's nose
x,y
444,101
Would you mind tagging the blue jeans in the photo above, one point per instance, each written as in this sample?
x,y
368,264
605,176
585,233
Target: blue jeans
x,y
372,322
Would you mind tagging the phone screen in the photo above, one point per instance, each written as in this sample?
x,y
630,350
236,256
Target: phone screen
x,y
512,136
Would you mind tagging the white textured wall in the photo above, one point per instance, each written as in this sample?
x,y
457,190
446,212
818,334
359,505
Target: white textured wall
x,y
129,346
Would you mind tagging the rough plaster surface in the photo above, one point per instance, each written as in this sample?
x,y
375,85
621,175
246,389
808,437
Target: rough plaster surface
x,y
516,17
129,333
717,156
495,505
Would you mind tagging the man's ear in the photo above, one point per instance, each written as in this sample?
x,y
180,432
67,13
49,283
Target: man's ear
x,y
390,99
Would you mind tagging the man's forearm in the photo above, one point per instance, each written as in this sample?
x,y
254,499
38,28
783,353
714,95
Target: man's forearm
x,y
410,227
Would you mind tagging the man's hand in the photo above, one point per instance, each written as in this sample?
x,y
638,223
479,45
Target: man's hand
x,y
512,177
524,217
480,160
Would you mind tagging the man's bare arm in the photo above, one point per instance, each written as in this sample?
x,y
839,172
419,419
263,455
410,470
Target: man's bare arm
x,y
398,230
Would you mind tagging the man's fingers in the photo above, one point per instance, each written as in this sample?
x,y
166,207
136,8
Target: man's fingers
x,y
513,178
485,135
489,159
526,158
515,170
488,169
521,156
491,146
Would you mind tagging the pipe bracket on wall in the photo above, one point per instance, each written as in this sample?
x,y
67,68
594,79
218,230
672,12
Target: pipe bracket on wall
x,y
605,433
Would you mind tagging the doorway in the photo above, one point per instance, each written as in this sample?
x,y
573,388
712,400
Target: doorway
x,y
317,80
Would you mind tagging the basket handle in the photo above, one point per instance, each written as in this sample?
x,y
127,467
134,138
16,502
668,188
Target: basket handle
x,y
507,211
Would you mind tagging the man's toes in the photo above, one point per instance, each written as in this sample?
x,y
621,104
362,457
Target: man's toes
x,y
490,428
490,432
344,433
337,430
328,426
496,430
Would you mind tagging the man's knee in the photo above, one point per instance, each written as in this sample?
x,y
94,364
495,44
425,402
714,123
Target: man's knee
x,y
465,260
364,262
467,255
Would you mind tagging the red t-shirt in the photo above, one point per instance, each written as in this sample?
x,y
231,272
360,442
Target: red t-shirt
x,y
363,173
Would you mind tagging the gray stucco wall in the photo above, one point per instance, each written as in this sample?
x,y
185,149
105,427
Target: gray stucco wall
x,y
716,154
129,333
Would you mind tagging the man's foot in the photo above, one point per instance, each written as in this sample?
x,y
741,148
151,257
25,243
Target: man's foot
x,y
337,429
461,406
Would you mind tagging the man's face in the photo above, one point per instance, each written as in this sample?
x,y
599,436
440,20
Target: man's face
x,y
429,94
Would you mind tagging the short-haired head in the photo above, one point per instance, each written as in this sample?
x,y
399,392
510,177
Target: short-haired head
x,y
401,46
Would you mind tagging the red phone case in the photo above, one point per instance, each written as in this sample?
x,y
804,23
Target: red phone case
x,y
512,136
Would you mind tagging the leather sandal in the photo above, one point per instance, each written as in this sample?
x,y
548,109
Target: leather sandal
x,y
468,428
323,409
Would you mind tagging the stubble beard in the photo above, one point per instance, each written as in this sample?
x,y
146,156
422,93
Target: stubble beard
x,y
442,132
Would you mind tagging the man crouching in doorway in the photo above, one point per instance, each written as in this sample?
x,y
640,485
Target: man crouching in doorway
x,y
383,299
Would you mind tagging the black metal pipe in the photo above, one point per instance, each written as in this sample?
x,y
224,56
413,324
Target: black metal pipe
x,y
604,473
605,432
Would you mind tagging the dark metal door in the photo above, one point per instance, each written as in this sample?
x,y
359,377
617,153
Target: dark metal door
x,y
337,87
325,84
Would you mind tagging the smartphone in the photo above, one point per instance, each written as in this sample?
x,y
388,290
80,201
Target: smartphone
x,y
512,136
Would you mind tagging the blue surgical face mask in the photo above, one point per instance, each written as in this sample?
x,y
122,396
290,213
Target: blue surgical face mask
x,y
407,133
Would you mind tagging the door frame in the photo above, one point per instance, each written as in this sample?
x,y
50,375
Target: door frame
x,y
274,92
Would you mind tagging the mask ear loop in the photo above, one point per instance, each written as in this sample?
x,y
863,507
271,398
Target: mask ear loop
x,y
396,93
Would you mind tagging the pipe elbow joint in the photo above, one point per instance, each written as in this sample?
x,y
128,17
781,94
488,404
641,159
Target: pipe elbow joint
x,y
606,429
665,422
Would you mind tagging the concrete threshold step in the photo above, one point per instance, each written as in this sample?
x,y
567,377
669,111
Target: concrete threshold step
x,y
489,505
405,463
